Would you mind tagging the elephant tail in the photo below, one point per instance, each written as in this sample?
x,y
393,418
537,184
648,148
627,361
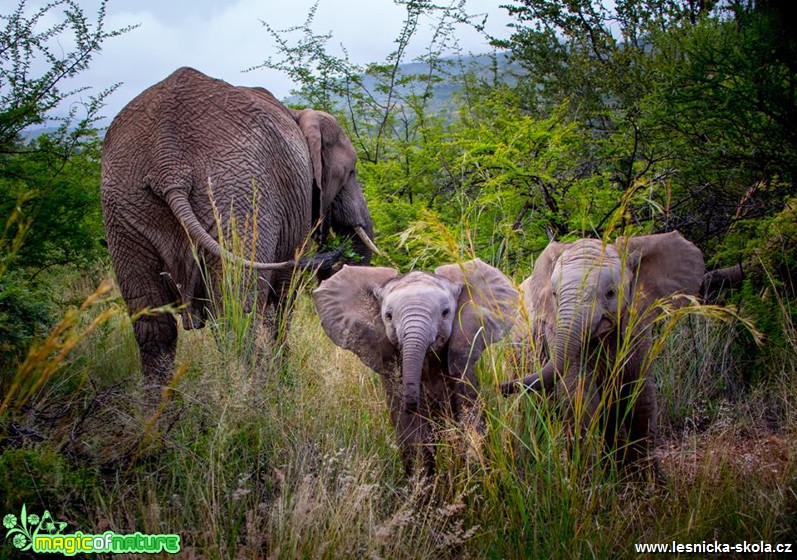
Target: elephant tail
x,y
181,207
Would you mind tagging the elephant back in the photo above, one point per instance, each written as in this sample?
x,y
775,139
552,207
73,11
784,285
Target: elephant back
x,y
235,152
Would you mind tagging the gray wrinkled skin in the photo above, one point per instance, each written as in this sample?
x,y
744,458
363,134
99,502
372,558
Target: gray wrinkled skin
x,y
591,307
423,334
272,172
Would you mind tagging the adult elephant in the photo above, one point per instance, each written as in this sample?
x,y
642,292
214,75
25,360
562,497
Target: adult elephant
x,y
591,306
193,155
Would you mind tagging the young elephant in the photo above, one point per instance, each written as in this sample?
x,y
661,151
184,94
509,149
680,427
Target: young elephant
x,y
591,305
423,333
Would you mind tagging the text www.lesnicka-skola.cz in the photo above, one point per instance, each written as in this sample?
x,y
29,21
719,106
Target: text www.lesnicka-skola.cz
x,y
714,547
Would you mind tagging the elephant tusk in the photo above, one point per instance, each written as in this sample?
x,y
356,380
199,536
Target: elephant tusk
x,y
367,240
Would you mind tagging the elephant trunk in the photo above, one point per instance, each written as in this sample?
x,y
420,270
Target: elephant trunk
x,y
565,355
349,212
413,353
568,343
540,381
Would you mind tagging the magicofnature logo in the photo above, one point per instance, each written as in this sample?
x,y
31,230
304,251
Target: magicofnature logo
x,y
44,534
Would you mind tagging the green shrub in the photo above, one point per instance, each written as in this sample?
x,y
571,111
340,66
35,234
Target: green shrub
x,y
25,314
43,479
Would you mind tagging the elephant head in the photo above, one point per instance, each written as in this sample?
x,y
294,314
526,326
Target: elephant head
x,y
338,199
585,291
393,321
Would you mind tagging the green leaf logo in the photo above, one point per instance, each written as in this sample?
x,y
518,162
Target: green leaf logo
x,y
27,527
50,526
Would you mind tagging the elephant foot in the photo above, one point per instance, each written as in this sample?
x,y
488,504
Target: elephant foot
x,y
659,476
156,336
646,470
155,391
419,460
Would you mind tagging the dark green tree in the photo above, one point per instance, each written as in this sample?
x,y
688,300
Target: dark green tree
x,y
693,101
49,157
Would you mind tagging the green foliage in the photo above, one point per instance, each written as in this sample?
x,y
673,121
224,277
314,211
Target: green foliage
x,y
34,66
25,314
58,202
606,132
692,102
49,200
49,184
721,115
343,246
40,477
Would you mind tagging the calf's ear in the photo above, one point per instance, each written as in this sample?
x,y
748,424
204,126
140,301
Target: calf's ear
x,y
487,308
350,313
663,265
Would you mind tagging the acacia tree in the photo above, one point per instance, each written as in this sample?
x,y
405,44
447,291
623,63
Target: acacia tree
x,y
379,102
36,73
35,68
390,109
691,101
49,196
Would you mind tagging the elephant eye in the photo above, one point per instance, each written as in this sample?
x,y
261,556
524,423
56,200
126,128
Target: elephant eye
x,y
388,315
610,294
446,311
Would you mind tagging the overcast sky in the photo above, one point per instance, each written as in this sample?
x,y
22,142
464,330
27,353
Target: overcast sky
x,y
224,37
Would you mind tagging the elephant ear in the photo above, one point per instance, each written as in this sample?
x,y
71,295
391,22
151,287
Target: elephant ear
x,y
665,264
486,309
538,289
529,333
351,314
310,125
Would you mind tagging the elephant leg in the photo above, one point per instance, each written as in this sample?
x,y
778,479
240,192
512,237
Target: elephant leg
x,y
412,436
393,388
411,429
465,405
615,432
641,425
582,402
275,301
156,336
142,286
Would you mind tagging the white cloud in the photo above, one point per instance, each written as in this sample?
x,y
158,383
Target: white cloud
x,y
224,38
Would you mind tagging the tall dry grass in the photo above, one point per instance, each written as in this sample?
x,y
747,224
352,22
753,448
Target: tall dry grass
x,y
291,454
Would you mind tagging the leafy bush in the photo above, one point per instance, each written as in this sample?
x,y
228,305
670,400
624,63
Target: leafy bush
x,y
41,478
60,203
49,200
25,314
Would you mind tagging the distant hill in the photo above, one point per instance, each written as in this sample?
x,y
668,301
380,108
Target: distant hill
x,y
485,67
29,134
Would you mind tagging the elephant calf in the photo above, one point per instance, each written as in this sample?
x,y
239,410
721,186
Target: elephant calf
x,y
423,334
591,307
